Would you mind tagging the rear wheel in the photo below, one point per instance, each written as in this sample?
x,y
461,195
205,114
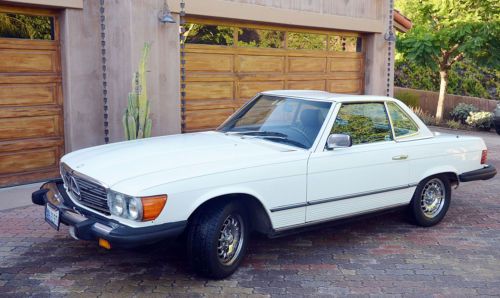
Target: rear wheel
x,y
217,239
431,201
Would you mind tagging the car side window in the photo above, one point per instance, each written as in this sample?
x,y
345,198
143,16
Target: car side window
x,y
403,125
364,122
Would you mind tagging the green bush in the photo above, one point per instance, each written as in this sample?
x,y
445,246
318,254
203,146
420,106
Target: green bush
x,y
462,111
481,120
409,98
427,118
453,124
464,78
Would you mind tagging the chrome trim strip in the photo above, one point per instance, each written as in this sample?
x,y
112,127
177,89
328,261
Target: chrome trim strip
x,y
309,223
340,198
286,207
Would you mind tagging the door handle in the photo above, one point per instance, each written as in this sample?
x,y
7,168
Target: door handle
x,y
400,157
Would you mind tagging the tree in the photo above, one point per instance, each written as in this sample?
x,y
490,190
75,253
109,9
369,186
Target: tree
x,y
447,31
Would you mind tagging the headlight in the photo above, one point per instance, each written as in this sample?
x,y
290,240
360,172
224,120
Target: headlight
x,y
134,208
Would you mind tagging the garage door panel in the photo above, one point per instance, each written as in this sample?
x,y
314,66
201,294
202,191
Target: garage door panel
x,y
249,89
344,64
306,64
209,90
307,85
344,86
192,105
27,94
15,112
28,160
27,61
29,127
257,64
197,120
209,62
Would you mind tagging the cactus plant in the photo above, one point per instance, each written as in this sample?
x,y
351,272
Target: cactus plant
x,y
136,121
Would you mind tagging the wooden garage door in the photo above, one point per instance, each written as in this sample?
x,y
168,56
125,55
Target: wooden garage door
x,y
31,115
228,63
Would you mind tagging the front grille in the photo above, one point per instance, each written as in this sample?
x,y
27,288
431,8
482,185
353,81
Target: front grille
x,y
87,192
92,195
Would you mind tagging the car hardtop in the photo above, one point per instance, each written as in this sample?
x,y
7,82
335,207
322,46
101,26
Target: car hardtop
x,y
327,96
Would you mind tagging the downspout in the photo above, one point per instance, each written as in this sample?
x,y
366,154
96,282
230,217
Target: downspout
x,y
390,37
104,74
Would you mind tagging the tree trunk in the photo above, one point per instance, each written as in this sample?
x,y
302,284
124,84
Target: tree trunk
x,y
442,92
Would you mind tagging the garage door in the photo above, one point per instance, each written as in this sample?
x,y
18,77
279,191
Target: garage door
x,y
31,121
228,63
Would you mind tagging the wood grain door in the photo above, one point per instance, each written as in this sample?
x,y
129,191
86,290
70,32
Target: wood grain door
x,y
31,113
228,63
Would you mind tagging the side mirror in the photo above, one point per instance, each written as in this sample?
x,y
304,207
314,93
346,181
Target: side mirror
x,y
338,141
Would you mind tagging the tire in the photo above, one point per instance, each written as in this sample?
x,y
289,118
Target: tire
x,y
497,127
209,249
431,201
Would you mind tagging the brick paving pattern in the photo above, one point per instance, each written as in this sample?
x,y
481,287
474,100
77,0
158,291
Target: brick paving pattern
x,y
380,256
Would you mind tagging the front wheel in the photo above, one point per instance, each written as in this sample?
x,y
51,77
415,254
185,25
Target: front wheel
x,y
497,128
217,239
431,201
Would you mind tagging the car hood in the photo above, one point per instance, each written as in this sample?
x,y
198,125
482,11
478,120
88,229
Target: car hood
x,y
176,156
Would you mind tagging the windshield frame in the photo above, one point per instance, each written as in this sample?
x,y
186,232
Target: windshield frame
x,y
248,105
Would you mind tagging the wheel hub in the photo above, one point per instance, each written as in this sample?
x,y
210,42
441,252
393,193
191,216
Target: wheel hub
x,y
432,198
230,239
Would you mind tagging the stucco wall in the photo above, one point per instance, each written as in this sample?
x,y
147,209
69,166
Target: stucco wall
x,y
129,24
81,61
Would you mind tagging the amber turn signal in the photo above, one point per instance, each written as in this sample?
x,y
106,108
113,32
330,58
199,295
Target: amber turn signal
x,y
104,243
152,206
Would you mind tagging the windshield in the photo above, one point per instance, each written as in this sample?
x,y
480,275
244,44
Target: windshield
x,y
292,121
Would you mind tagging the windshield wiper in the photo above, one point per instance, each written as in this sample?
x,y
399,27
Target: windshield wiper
x,y
257,133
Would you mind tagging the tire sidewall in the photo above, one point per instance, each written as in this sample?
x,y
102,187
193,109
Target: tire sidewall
x,y
221,269
416,209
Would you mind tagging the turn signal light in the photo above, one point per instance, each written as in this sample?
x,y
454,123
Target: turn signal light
x,y
104,243
484,157
152,206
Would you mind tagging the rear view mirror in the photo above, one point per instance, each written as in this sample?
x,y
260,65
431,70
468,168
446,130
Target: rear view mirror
x,y
338,141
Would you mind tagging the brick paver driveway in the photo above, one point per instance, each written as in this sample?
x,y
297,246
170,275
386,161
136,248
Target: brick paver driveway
x,y
380,256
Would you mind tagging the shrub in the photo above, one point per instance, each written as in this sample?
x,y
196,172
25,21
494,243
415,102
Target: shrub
x,y
410,99
480,120
427,118
462,111
465,78
453,124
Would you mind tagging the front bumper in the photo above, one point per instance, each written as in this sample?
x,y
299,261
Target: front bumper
x,y
485,173
87,225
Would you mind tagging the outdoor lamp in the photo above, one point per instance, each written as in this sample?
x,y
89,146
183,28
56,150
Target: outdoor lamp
x,y
165,16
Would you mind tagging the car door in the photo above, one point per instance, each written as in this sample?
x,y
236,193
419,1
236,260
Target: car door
x,y
370,175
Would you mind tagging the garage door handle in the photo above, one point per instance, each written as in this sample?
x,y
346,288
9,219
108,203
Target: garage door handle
x,y
400,157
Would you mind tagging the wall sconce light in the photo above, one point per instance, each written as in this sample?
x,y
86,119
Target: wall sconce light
x,y
165,16
390,36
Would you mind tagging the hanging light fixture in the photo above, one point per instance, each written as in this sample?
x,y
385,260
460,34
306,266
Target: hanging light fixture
x,y
165,15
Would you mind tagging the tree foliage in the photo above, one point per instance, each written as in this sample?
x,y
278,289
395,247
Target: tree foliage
x,y
25,26
447,31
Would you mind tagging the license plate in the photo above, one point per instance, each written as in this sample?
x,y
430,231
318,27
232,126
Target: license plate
x,y
52,216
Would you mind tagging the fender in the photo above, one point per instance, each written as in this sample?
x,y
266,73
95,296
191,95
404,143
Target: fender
x,y
227,190
438,170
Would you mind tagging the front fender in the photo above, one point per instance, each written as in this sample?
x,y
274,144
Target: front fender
x,y
227,190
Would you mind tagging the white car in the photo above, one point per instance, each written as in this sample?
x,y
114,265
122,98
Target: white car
x,y
285,160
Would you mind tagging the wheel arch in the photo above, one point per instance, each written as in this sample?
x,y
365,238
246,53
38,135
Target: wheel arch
x,y
258,214
450,172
